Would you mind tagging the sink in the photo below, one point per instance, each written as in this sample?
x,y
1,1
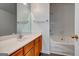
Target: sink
x,y
14,41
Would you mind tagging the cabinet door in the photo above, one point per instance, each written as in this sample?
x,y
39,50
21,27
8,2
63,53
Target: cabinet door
x,y
36,50
30,53
28,47
18,53
38,45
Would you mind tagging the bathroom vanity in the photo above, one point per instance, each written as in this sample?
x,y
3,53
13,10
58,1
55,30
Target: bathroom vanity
x,y
30,45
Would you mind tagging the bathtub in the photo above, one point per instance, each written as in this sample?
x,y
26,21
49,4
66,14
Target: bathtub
x,y
63,46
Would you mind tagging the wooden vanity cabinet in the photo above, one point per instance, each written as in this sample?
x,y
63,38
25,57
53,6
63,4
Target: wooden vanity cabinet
x,y
38,45
31,49
36,50
18,52
30,53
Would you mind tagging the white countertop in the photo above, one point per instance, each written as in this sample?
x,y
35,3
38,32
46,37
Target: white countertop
x,y
13,44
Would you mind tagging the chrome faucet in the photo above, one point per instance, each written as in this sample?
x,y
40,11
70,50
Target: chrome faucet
x,y
20,36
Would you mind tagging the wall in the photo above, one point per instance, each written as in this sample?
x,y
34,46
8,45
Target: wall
x,y
7,18
40,23
62,19
76,18
77,28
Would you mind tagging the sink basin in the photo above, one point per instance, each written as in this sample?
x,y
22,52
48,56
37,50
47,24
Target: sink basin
x,y
9,42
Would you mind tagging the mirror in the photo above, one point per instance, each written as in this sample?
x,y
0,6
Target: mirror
x,y
23,18
7,18
15,18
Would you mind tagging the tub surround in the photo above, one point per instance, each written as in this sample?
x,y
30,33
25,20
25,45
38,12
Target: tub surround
x,y
9,46
63,47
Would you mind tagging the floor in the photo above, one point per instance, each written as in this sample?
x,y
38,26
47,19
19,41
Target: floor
x,y
52,54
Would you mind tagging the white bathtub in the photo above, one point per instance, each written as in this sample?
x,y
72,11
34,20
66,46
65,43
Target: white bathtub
x,y
63,47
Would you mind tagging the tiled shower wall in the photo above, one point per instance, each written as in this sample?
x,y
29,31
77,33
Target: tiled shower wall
x,y
62,17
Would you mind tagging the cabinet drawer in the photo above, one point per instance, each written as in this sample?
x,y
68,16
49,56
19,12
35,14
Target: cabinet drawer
x,y
28,47
18,53
30,53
